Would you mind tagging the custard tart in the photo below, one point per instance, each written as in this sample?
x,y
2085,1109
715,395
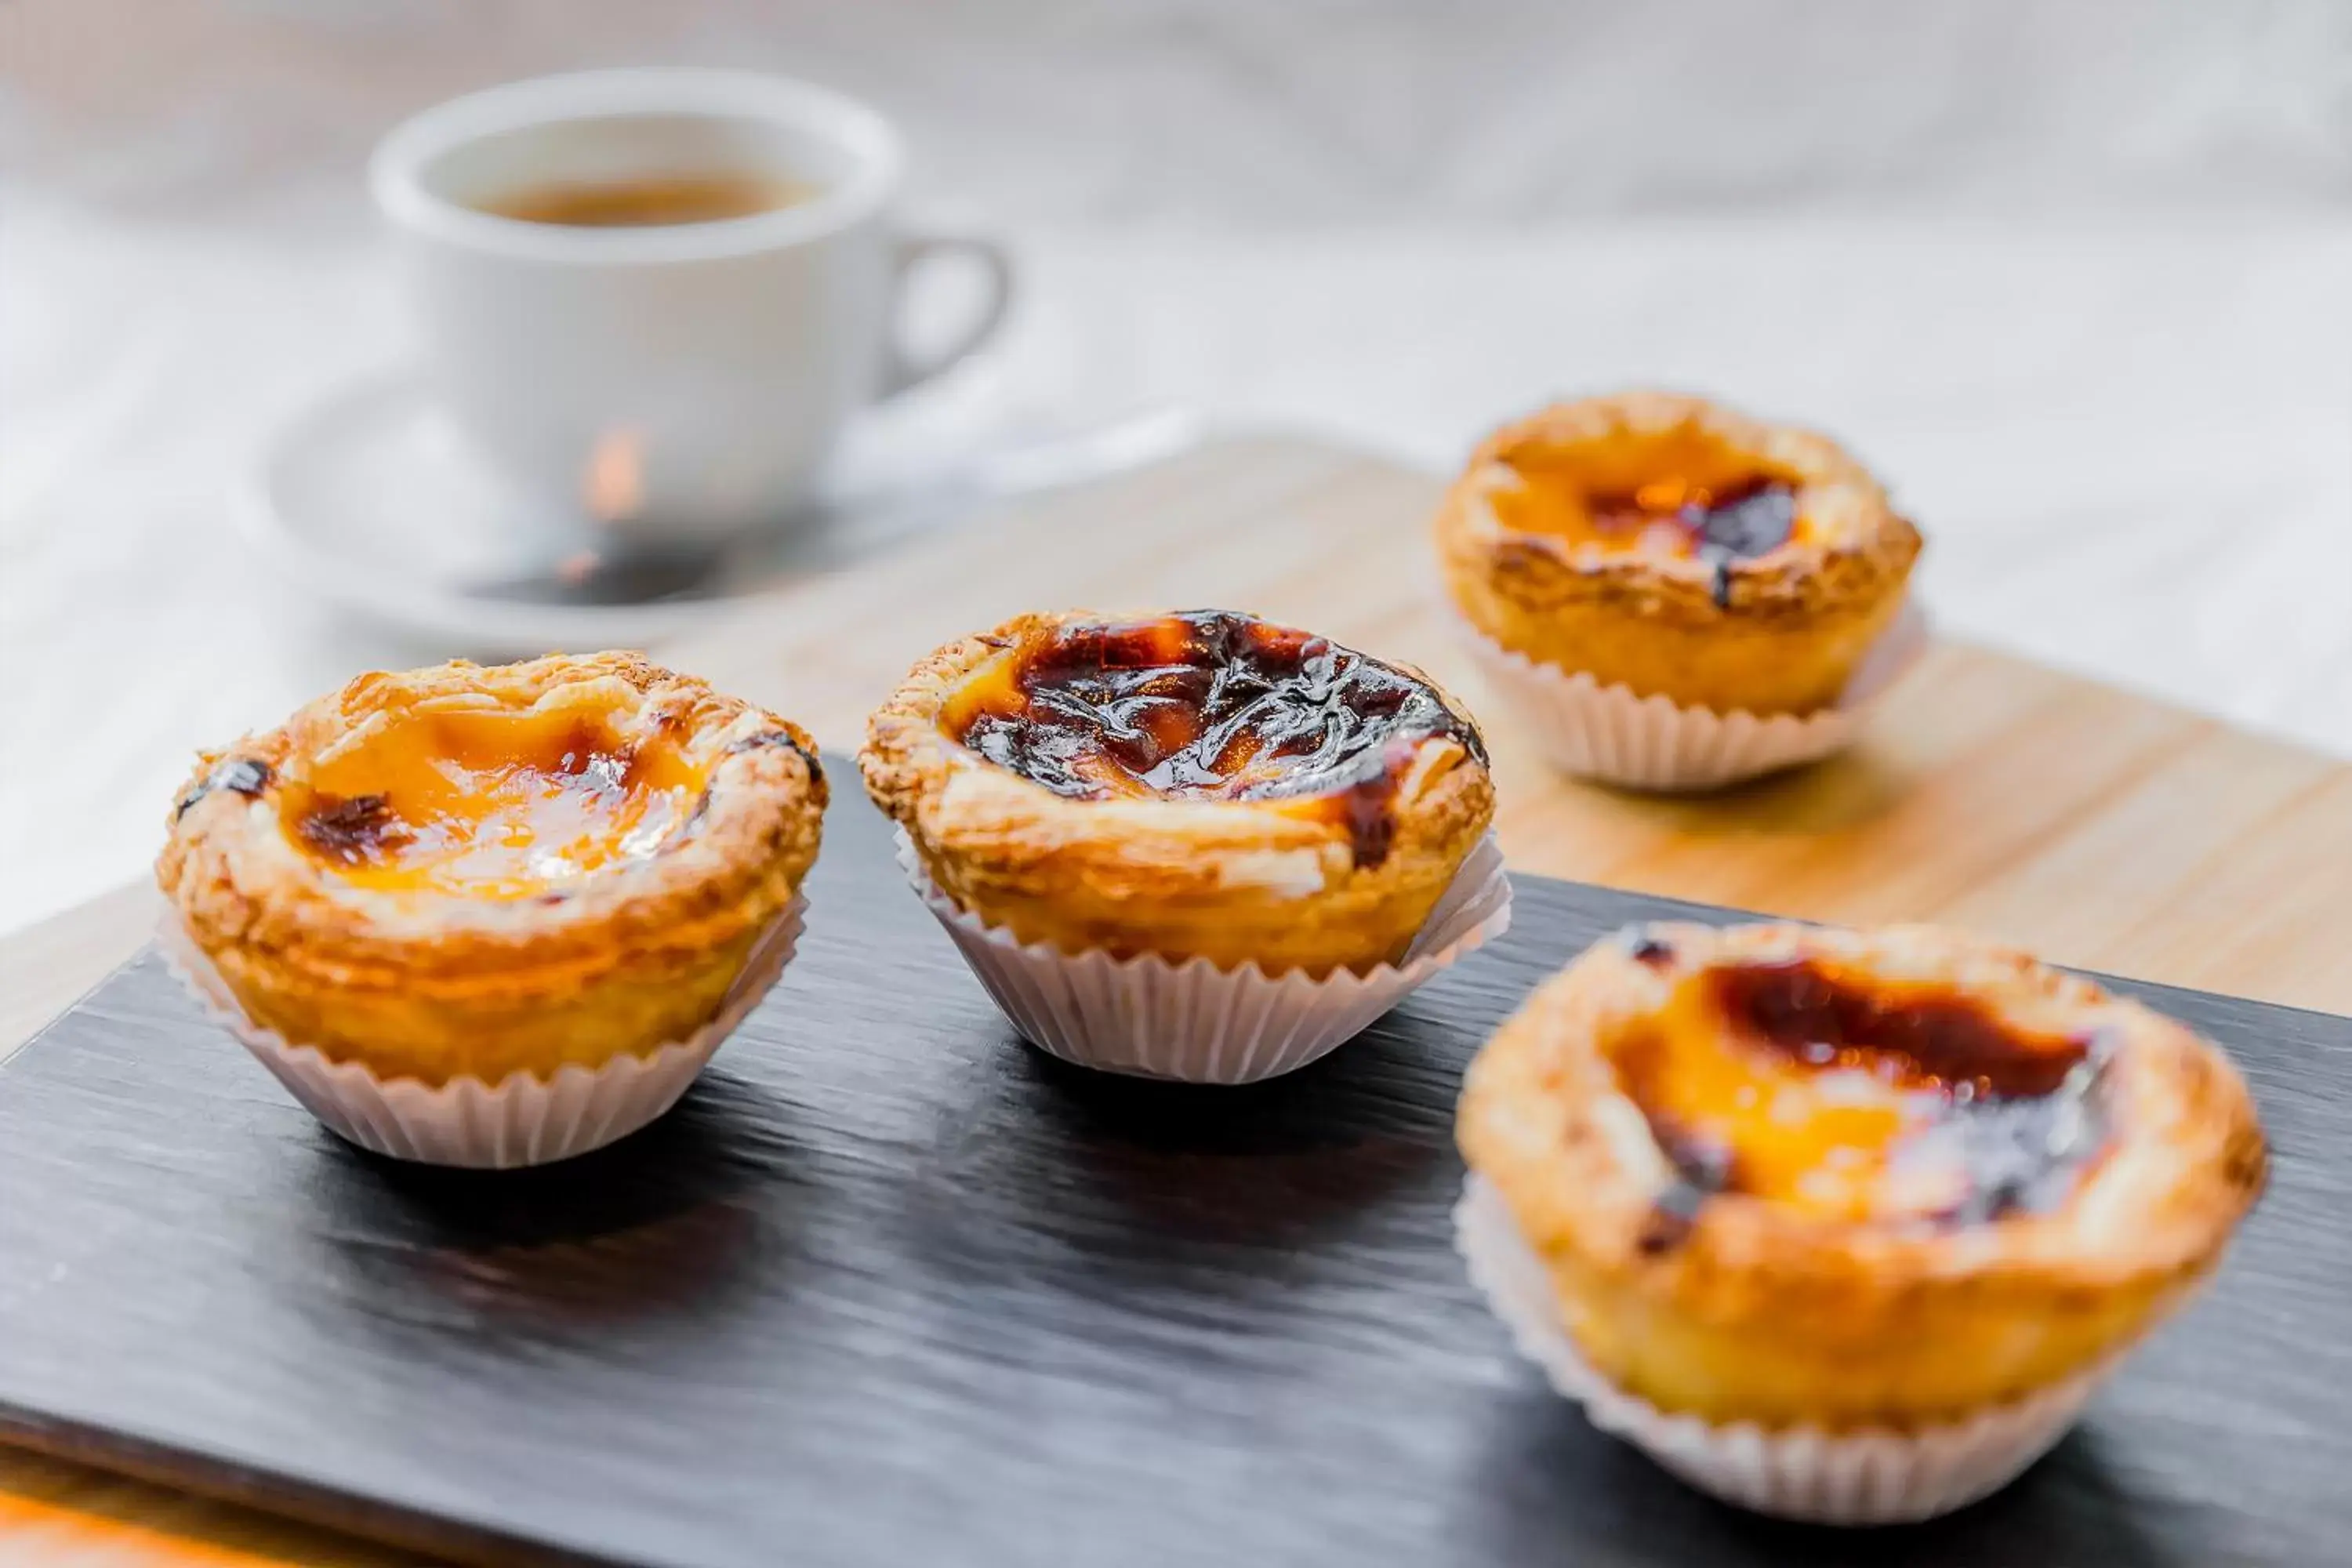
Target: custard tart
x,y
1200,785
1845,1180
470,872
1671,546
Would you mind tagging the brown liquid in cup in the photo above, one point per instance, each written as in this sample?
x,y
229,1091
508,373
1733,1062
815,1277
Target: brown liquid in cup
x,y
649,202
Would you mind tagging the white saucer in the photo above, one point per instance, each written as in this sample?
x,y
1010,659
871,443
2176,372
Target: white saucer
x,y
371,500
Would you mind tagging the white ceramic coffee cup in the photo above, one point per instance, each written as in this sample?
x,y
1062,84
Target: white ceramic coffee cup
x,y
668,385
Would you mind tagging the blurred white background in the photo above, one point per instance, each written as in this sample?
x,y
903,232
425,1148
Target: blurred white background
x,y
2074,275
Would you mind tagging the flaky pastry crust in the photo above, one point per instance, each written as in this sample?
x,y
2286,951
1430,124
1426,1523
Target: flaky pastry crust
x,y
1278,882
1780,631
435,982
1741,1308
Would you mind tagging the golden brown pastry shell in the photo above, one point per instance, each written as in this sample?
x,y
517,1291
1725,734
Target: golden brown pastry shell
x,y
435,986
1796,621
1271,882
1761,1314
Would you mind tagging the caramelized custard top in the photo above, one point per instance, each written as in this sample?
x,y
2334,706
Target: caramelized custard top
x,y
1853,1099
1683,497
1206,705
1747,519
491,804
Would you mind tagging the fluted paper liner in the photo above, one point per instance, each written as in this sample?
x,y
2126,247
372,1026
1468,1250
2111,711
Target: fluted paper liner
x,y
1192,1021
1608,734
522,1120
1849,1478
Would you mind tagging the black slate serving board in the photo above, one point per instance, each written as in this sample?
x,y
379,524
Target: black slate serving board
x,y
890,1288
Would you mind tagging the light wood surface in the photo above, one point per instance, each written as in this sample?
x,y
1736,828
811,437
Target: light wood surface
x,y
2100,828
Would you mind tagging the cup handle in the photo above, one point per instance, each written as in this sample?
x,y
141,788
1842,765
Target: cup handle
x,y
904,370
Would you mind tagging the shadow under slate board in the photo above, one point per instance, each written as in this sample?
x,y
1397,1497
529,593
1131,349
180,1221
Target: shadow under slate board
x,y
890,1288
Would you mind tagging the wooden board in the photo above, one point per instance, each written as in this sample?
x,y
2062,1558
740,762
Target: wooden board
x,y
2098,827
890,1288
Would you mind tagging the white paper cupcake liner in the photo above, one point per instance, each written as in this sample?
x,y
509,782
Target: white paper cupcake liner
x,y
1195,1022
1803,1473
1608,734
520,1120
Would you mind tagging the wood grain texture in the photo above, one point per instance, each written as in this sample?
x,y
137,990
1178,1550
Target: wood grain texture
x,y
890,1288
2100,827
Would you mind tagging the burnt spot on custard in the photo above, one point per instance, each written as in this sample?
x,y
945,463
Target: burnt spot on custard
x,y
352,831
239,775
1945,1037
1210,705
1717,528
1735,523
1910,1104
